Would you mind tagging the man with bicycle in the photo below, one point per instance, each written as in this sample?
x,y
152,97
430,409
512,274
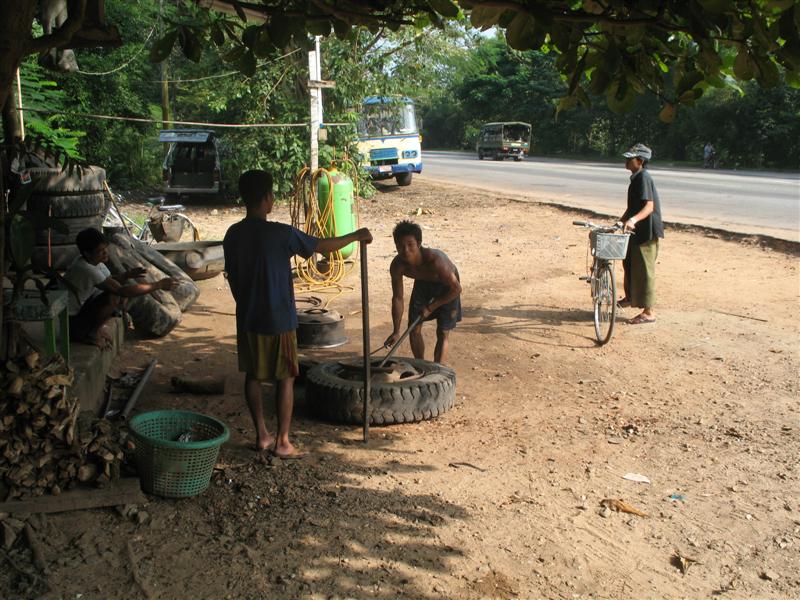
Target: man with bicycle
x,y
642,219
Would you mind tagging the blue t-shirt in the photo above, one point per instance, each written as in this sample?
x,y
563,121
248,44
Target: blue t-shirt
x,y
257,260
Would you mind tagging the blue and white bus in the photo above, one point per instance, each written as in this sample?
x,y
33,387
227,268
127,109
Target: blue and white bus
x,y
388,138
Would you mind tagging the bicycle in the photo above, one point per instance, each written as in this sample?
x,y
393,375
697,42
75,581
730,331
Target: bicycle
x,y
164,222
605,246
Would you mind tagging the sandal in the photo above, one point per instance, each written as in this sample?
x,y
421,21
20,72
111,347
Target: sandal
x,y
640,320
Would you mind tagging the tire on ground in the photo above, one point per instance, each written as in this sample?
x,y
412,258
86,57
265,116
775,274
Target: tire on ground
x,y
185,293
404,179
155,314
334,398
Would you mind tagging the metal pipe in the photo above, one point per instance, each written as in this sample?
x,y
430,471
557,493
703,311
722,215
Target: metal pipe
x,y
138,389
400,341
365,327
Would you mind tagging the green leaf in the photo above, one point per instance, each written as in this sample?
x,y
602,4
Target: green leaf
x,y
444,7
521,32
281,29
21,240
620,96
250,36
689,80
768,75
318,27
668,113
744,67
635,34
160,50
780,5
234,54
716,7
341,28
239,10
247,64
599,82
217,35
484,17
191,45
263,46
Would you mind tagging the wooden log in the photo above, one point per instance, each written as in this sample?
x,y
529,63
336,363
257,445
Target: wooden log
x,y
123,491
204,386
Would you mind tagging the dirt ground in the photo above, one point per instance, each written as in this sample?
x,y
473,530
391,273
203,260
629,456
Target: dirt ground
x,y
500,497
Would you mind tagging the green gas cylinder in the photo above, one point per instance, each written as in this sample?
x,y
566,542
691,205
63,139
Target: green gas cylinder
x,y
343,219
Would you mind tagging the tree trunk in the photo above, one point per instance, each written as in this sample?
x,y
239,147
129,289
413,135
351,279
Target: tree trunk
x,y
166,117
16,20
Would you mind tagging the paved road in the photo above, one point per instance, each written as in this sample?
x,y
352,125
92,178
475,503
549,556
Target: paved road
x,y
745,202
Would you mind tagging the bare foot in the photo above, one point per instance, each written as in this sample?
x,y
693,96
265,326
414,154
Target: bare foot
x,y
264,442
287,452
102,339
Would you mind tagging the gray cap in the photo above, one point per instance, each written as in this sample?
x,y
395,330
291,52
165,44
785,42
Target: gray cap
x,y
638,151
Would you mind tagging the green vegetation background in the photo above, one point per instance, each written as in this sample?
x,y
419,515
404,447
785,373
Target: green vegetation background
x,y
459,78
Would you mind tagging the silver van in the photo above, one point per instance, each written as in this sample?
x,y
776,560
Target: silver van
x,y
192,164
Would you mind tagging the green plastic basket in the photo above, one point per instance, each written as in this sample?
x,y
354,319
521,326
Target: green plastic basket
x,y
171,468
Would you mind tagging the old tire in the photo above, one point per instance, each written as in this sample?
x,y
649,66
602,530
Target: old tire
x,y
62,257
74,226
334,398
404,179
85,204
54,181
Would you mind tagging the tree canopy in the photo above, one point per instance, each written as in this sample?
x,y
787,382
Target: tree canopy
x,y
617,49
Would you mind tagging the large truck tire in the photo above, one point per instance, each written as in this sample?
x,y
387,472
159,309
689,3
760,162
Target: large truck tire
x,y
74,225
340,399
86,204
61,257
185,293
52,181
155,314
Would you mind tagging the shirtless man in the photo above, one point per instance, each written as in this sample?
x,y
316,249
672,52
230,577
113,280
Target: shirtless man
x,y
436,293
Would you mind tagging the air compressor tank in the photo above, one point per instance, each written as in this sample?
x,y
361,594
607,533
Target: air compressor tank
x,y
343,219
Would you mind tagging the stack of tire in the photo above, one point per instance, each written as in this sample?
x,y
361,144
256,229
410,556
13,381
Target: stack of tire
x,y
155,314
76,199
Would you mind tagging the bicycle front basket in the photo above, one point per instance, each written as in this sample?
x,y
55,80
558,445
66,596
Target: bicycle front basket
x,y
609,246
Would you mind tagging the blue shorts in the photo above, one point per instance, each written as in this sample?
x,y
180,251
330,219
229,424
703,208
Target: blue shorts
x,y
423,292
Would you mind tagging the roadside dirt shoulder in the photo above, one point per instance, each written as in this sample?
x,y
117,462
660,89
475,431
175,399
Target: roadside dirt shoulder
x,y
501,497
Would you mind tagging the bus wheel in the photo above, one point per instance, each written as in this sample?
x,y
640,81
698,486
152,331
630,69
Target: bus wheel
x,y
404,179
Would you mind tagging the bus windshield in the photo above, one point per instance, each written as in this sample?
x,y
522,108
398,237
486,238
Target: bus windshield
x,y
381,119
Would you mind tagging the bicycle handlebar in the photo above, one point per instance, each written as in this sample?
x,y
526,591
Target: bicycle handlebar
x,y
599,228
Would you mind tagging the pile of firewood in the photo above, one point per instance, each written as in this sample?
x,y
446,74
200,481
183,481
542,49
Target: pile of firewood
x,y
42,448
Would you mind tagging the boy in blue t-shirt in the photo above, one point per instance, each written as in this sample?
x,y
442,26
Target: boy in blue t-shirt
x,y
257,263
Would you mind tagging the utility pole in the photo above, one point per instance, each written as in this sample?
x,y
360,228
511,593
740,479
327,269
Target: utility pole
x,y
315,74
315,85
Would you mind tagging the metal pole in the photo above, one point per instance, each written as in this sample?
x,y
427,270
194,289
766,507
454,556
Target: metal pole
x,y
315,95
365,327
138,389
19,107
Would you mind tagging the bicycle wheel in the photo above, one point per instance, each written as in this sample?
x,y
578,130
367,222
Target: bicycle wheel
x,y
604,293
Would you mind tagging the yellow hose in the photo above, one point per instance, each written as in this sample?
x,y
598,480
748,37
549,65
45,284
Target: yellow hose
x,y
306,216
